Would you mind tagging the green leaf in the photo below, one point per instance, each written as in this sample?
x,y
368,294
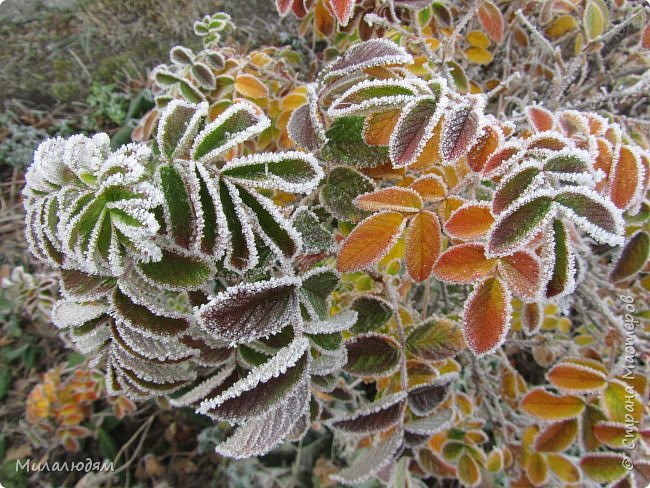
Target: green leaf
x,y
343,186
518,226
140,317
561,278
346,145
435,340
315,289
238,123
5,382
373,313
176,271
372,355
315,238
179,209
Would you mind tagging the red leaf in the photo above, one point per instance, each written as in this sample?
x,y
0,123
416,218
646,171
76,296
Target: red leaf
x,y
491,20
342,9
487,143
458,132
283,6
540,118
487,316
521,271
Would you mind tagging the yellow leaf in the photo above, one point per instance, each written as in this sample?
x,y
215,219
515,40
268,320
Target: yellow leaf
x,y
479,55
561,26
576,377
250,86
546,406
478,39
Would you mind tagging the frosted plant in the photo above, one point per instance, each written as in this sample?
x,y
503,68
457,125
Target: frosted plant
x,y
32,294
199,264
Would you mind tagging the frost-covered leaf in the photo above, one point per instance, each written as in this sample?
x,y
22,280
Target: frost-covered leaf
x,y
413,129
181,222
431,424
546,406
513,187
557,436
177,127
486,144
370,461
305,125
343,186
518,225
342,9
241,253
459,130
345,144
69,313
250,86
464,264
626,178
261,434
293,172
604,467
492,21
422,240
540,118
378,127
560,262
393,198
372,95
339,322
370,240
193,395
316,287
431,188
250,310
375,52
83,286
486,318
633,257
375,417
372,354
142,319
372,313
265,386
469,222
575,377
434,340
593,214
315,238
177,270
424,399
236,124
522,272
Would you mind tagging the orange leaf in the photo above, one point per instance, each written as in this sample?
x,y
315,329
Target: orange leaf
x,y
521,271
557,436
250,86
532,317
540,118
370,240
486,318
393,198
464,264
431,188
422,240
378,127
323,20
576,378
487,143
625,178
546,406
498,158
470,222
537,469
430,155
492,20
